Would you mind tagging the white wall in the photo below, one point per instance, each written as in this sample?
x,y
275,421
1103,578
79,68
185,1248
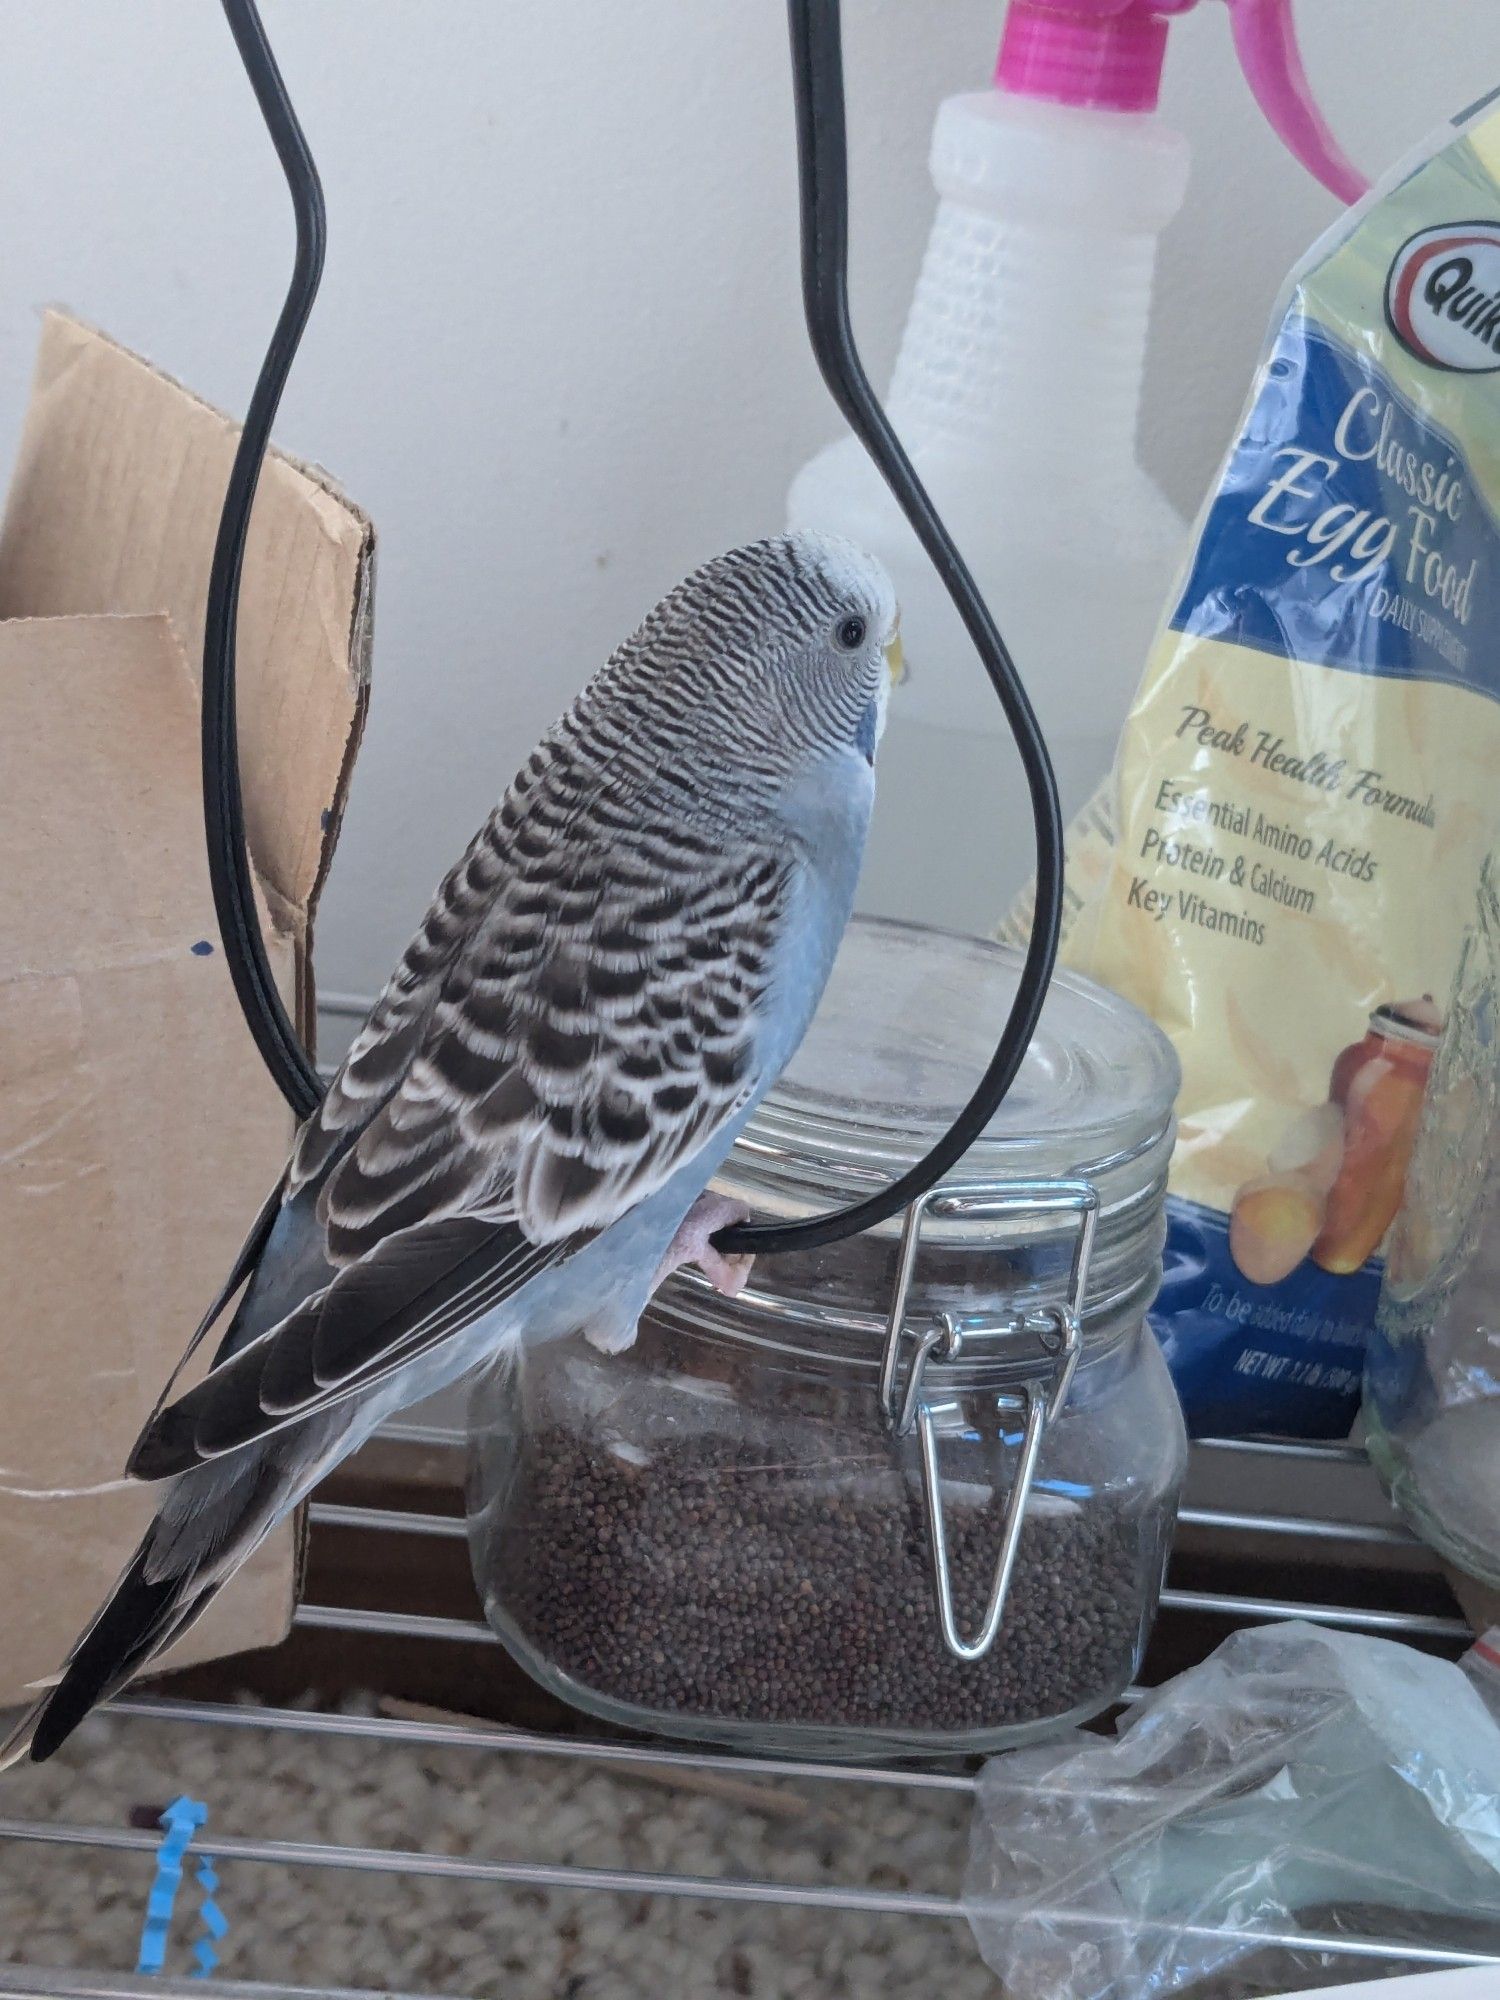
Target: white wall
x,y
558,354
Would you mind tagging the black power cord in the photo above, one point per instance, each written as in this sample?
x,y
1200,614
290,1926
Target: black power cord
x,y
818,82
223,806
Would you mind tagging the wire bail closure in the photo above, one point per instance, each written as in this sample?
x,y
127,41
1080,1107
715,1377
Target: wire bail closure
x,y
1059,1332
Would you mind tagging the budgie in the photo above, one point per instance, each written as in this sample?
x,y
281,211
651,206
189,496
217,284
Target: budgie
x,y
519,1141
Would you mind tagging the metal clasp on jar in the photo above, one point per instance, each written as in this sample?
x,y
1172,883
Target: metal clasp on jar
x,y
1058,1329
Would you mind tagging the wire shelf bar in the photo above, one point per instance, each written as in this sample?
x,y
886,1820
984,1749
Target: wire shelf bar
x,y
1307,1527
51,1984
418,1865
1326,1538
497,1737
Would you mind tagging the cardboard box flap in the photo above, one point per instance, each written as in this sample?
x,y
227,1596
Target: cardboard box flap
x,y
104,710
138,1130
113,504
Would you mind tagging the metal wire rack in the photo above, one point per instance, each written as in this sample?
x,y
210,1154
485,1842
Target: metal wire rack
x,y
1345,1563
1330,1552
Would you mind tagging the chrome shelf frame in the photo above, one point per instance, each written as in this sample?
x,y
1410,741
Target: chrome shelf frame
x,y
1331,1537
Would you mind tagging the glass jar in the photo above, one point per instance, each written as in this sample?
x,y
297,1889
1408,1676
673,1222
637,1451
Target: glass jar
x,y
1432,1368
912,1492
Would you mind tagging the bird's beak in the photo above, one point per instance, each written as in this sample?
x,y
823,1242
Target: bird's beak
x,y
895,658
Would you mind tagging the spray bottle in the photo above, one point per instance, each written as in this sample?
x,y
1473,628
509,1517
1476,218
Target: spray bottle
x,y
1016,392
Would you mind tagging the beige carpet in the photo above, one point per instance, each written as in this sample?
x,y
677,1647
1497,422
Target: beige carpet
x,y
76,1908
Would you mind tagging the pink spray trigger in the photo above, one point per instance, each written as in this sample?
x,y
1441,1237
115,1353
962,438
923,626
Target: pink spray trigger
x,y
1265,40
1108,55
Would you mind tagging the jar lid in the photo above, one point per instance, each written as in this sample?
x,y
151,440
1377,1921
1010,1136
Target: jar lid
x,y
904,1031
1417,1022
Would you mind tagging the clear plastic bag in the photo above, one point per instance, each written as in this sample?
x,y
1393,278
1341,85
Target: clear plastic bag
x,y
1432,1384
1299,1784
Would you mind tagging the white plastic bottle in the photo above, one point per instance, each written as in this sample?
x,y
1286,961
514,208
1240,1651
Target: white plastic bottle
x,y
1017,394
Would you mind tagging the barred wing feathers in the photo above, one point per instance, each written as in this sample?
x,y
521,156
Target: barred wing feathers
x,y
570,1027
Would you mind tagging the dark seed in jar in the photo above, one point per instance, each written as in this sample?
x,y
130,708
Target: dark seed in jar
x,y
702,1580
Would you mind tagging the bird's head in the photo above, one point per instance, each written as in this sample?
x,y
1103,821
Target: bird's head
x,y
789,647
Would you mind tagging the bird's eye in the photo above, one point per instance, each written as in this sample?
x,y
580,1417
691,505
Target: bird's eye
x,y
851,634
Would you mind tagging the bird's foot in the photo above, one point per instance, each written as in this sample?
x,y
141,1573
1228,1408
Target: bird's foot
x,y
610,1336
693,1244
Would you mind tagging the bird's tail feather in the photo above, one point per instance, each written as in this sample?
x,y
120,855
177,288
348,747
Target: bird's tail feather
x,y
208,1522
141,1616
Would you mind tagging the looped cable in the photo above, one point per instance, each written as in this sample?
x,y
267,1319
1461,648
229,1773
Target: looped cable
x,y
818,81
229,870
817,69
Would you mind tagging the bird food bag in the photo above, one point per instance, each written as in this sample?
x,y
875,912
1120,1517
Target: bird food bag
x,y
1306,788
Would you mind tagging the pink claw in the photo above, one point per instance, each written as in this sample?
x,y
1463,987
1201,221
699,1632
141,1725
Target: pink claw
x,y
691,1245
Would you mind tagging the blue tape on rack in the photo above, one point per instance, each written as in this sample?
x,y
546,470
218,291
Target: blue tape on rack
x,y
212,1919
180,1822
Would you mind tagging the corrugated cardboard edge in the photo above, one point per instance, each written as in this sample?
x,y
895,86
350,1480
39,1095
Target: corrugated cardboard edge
x,y
70,545
66,341
81,1176
361,648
